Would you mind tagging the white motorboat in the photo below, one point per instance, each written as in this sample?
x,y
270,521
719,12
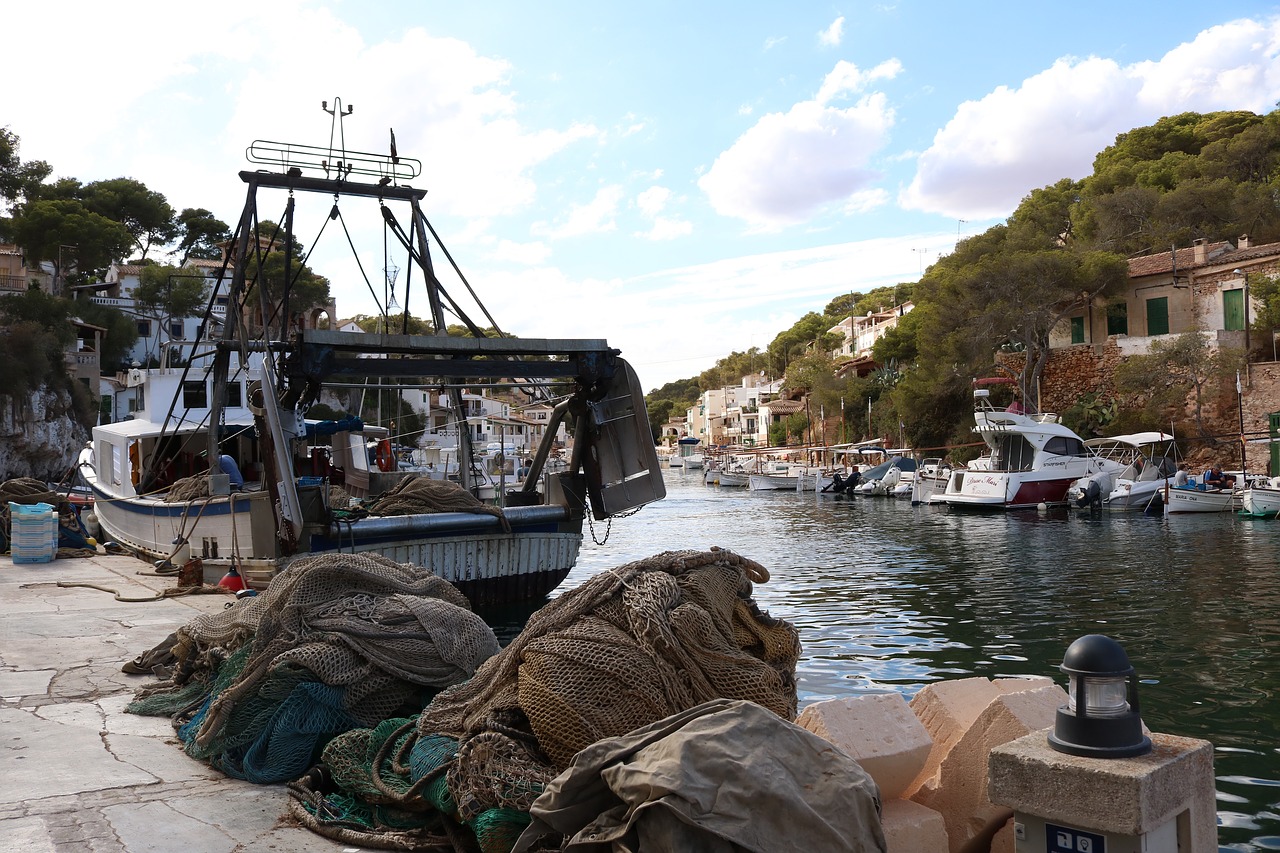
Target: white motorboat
x,y
1150,463
1032,460
930,481
193,417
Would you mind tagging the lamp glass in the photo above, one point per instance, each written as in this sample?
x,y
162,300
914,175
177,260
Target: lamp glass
x,y
1103,696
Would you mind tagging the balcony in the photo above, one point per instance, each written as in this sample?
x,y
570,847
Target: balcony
x,y
12,283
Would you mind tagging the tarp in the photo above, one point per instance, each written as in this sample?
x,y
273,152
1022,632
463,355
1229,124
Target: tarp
x,y
725,775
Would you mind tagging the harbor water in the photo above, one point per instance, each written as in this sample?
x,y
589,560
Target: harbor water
x,y
888,596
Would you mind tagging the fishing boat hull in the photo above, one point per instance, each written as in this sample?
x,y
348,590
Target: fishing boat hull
x,y
470,550
1261,502
734,479
1183,500
772,482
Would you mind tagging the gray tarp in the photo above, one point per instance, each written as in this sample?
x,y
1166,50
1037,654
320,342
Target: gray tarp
x,y
723,776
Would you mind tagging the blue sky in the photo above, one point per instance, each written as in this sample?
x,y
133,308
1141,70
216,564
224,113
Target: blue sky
x,y
682,179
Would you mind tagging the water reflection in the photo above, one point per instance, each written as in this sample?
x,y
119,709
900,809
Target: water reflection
x,y
890,596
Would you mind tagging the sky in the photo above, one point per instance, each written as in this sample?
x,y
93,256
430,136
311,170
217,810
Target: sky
x,y
684,180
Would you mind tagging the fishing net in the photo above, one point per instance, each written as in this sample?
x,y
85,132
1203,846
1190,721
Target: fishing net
x,y
630,646
414,495
337,641
188,489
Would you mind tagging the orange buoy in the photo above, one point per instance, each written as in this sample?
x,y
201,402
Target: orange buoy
x,y
385,458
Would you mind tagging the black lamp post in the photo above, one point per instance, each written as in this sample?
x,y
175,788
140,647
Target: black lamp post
x,y
1101,719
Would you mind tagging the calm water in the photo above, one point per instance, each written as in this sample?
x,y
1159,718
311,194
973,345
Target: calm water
x,y
890,596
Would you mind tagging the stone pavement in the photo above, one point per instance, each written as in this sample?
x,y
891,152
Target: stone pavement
x,y
76,772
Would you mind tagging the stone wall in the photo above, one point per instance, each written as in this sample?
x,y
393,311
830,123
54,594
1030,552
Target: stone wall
x,y
1072,372
39,436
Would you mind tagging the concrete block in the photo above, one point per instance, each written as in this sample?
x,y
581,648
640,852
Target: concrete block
x,y
879,731
948,708
912,828
961,792
1124,796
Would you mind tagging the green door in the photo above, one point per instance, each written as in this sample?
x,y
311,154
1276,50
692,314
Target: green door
x,y
1158,316
1233,310
1274,419
1077,330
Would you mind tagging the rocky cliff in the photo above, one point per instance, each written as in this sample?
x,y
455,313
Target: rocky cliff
x,y
39,436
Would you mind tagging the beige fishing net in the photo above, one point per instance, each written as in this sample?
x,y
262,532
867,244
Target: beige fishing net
x,y
630,646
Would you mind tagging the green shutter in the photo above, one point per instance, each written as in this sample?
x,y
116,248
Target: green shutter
x,y
1233,310
1158,316
1077,330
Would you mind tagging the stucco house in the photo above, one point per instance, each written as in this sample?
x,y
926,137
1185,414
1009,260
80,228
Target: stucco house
x,y
1199,288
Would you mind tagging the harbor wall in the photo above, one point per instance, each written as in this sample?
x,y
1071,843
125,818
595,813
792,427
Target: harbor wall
x,y
1072,372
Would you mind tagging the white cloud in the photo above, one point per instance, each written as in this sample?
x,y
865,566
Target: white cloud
x,y
789,165
653,200
832,35
529,254
651,203
996,150
593,217
773,41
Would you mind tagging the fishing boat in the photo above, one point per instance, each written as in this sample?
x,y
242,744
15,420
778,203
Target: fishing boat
x,y
1196,496
223,463
1032,459
1261,499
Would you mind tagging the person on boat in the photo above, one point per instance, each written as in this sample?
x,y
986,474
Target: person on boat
x,y
1181,479
1215,479
229,467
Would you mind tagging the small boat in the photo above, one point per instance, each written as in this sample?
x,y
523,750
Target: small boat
x,y
1197,497
1261,499
1150,464
1032,459
885,478
930,481
222,461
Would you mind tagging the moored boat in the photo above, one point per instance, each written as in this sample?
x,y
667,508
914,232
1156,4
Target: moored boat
x,y
1032,459
171,481
1261,499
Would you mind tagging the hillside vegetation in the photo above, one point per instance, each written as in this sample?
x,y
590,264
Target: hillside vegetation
x,y
1189,176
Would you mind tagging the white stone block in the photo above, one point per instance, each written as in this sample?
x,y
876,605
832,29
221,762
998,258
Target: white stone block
x,y
948,708
961,790
879,731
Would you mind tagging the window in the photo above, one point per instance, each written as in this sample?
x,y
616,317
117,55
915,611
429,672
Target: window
x,y
144,328
1233,310
1063,446
234,395
1118,319
175,329
195,395
1077,330
1158,316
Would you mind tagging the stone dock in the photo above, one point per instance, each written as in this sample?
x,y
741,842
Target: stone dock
x,y
79,774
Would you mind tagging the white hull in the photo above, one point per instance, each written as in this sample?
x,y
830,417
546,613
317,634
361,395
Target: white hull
x,y
1195,500
734,479
1136,496
1261,501
775,482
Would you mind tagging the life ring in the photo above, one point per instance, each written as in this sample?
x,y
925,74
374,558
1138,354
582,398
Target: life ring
x,y
385,458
